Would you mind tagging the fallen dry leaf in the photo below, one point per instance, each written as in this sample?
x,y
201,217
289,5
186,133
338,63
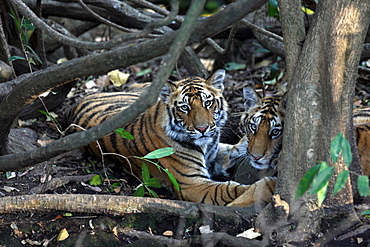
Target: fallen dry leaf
x,y
168,233
63,235
118,78
250,234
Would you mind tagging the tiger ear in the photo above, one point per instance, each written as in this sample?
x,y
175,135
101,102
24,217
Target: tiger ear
x,y
217,79
251,97
167,90
282,104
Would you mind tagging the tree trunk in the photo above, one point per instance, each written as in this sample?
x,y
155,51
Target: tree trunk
x,y
319,107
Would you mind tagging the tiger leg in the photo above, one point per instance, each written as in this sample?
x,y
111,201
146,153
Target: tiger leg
x,y
228,193
259,192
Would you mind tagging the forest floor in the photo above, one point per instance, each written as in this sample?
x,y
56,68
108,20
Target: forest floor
x,y
75,173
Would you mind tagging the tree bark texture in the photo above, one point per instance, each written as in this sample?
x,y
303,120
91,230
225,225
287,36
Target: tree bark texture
x,y
319,107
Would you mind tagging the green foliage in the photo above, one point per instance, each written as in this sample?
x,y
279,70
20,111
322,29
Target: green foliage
x,y
149,181
231,66
124,133
341,181
318,177
273,8
25,29
363,185
96,180
51,117
366,212
307,180
159,153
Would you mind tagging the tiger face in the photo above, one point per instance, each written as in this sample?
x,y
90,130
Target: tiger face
x,y
255,156
196,109
263,123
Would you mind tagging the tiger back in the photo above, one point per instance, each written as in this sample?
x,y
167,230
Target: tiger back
x,y
256,154
188,117
361,122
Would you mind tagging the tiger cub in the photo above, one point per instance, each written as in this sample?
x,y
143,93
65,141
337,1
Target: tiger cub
x,y
188,117
256,154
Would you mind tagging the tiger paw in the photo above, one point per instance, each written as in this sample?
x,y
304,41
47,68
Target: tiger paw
x,y
259,192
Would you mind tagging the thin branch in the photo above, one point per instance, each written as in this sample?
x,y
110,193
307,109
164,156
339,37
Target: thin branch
x,y
261,30
26,12
101,19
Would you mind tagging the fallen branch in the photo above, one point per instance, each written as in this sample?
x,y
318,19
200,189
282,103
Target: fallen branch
x,y
119,205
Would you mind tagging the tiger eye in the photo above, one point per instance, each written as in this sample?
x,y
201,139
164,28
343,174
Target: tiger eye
x,y
208,103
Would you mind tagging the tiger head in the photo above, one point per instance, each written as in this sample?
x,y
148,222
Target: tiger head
x,y
263,123
196,109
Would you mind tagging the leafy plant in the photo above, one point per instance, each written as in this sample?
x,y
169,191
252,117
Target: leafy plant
x,y
25,29
150,181
96,180
318,176
273,8
147,180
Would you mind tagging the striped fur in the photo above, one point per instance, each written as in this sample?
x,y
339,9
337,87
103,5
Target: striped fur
x,y
263,120
361,121
188,117
258,150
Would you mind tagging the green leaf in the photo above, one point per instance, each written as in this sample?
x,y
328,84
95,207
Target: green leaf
x,y
363,185
321,179
160,153
306,181
365,212
152,193
172,179
29,26
116,185
234,66
336,146
340,181
145,172
321,194
346,151
153,182
124,133
139,191
272,8
96,180
13,58
143,72
38,59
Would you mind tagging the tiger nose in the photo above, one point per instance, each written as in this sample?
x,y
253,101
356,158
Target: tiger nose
x,y
256,157
202,129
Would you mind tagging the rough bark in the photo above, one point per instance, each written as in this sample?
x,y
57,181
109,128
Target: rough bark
x,y
293,33
319,107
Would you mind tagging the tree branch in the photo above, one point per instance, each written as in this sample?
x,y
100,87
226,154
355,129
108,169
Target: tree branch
x,y
26,12
40,81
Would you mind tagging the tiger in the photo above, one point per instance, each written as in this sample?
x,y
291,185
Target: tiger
x,y
187,117
361,122
256,154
